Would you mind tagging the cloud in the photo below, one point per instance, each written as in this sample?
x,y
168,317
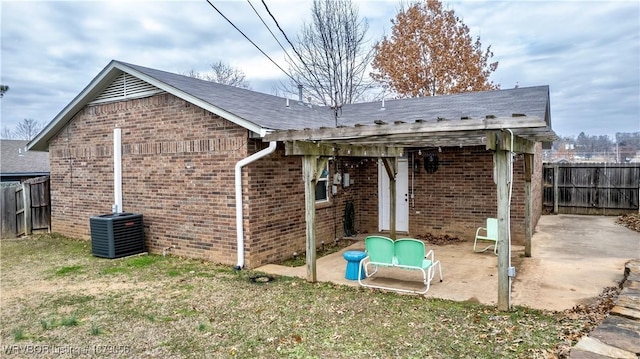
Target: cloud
x,y
588,52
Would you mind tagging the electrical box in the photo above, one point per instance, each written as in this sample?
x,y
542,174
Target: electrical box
x,y
345,180
337,178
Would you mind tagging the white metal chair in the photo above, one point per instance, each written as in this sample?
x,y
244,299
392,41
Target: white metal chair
x,y
491,235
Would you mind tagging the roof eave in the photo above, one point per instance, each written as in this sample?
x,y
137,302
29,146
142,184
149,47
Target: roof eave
x,y
196,101
23,174
41,141
103,79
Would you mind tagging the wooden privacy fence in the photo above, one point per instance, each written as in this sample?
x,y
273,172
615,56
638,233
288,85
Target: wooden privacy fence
x,y
26,207
591,188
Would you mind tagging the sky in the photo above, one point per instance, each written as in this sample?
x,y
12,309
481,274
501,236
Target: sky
x,y
588,52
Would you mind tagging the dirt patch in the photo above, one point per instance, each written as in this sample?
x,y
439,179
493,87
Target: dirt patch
x,y
325,249
438,240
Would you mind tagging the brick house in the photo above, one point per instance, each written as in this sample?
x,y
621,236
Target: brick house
x,y
184,142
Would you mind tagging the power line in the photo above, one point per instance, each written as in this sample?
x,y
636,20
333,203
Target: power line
x,y
269,29
282,31
292,47
253,43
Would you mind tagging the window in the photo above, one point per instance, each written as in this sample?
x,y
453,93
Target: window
x,y
322,187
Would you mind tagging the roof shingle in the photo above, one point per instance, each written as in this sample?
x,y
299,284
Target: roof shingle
x,y
16,160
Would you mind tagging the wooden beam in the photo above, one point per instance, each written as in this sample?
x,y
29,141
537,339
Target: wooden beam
x,y
445,139
406,128
309,174
501,140
320,167
502,159
528,170
304,148
391,166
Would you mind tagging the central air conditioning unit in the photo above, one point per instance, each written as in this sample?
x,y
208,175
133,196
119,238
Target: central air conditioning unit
x,y
117,235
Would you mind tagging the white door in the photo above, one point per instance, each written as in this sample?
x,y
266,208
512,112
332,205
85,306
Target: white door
x,y
402,197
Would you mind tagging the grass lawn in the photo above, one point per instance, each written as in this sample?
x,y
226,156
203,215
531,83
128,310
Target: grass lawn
x,y
59,301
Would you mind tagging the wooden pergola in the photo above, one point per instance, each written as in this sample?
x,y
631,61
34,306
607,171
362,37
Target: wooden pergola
x,y
504,136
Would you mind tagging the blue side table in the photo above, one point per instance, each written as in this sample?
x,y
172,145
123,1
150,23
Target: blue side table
x,y
353,262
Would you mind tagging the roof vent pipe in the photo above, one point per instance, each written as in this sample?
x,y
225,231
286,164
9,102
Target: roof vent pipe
x,y
300,94
239,216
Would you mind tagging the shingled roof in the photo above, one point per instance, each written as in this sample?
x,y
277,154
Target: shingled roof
x,y
263,110
263,113
17,162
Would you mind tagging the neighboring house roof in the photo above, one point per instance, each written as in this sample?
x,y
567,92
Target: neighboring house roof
x,y
261,113
16,161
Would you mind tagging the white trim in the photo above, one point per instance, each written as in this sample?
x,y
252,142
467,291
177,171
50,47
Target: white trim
x,y
326,185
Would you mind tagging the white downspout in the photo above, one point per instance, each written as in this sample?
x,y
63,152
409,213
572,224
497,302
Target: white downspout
x,y
117,170
511,160
239,222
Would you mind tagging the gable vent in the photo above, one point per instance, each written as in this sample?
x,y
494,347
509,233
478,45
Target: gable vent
x,y
126,86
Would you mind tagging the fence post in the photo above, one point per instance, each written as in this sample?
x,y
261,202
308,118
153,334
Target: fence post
x,y
26,197
556,191
9,225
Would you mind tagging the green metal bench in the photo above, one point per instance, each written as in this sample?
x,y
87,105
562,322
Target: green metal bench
x,y
404,253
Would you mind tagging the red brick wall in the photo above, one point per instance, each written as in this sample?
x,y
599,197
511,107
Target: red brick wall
x,y
275,225
274,207
177,169
457,198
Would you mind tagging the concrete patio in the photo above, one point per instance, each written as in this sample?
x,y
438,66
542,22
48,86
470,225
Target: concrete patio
x,y
573,259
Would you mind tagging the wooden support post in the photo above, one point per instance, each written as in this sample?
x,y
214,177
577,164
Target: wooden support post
x,y
391,166
308,169
26,197
528,170
311,170
502,159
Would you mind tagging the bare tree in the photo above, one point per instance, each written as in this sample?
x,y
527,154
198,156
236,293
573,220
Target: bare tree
x,y
332,56
3,89
223,74
430,52
6,133
27,129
